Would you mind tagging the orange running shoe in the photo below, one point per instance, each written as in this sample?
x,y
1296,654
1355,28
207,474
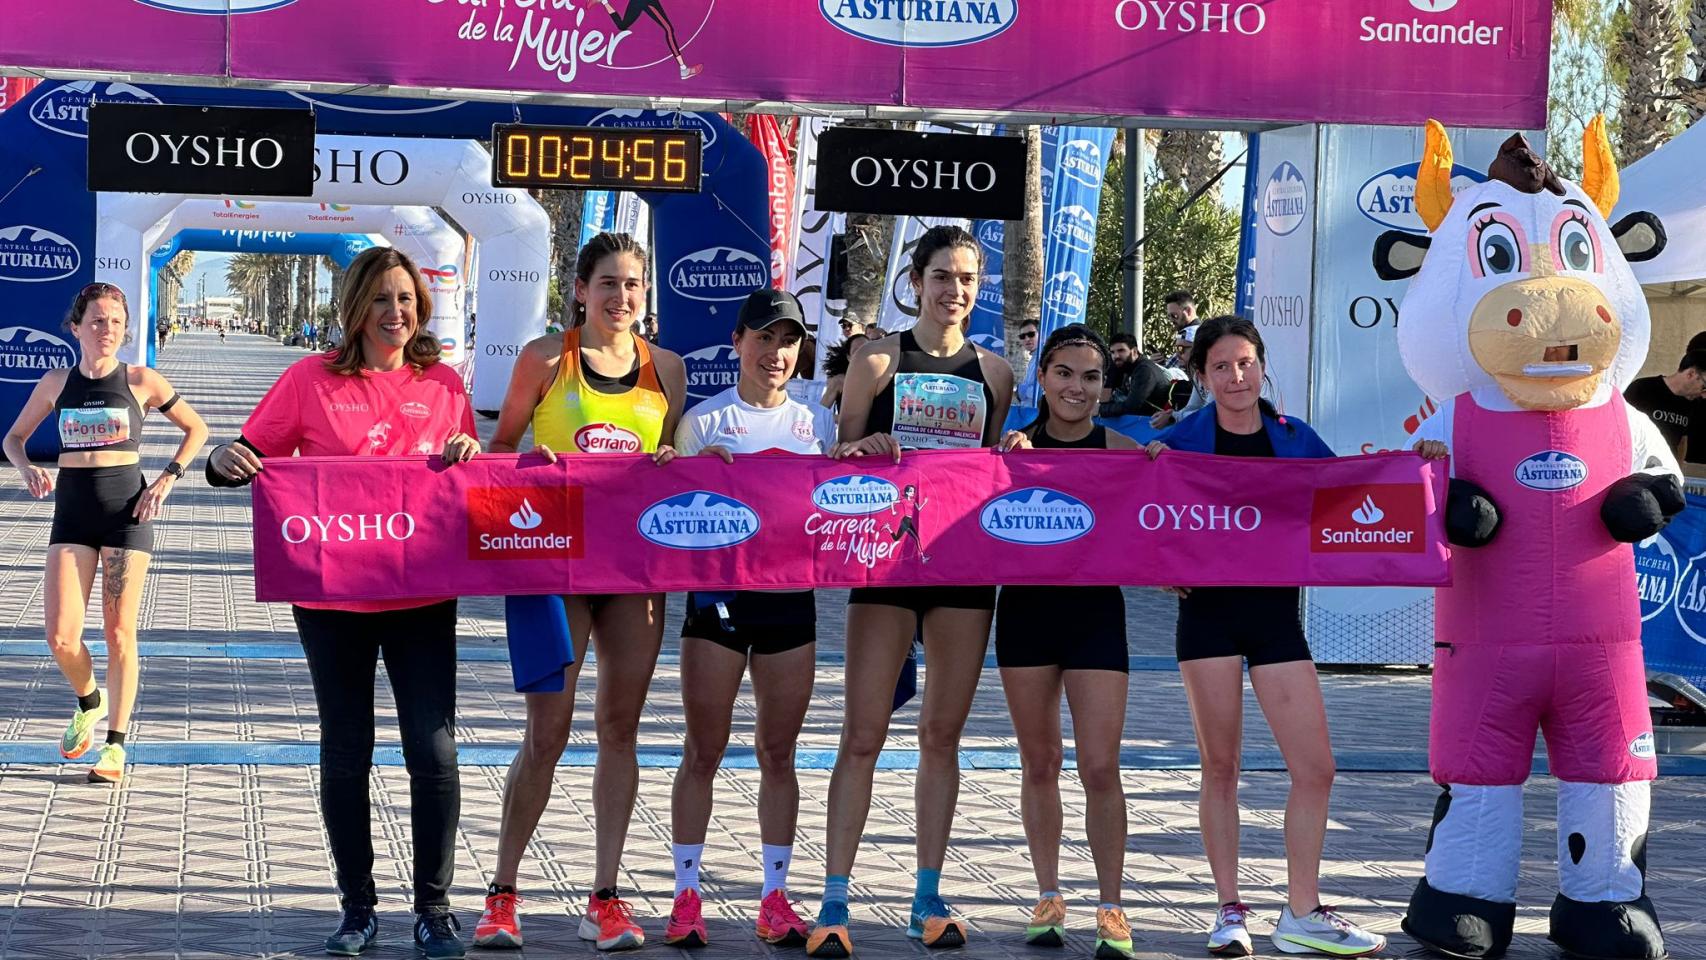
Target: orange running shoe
x,y
499,927
610,925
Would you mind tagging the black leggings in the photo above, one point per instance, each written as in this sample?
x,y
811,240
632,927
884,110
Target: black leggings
x,y
419,646
653,9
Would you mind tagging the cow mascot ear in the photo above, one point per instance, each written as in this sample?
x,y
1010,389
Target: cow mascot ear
x,y
1397,253
1639,235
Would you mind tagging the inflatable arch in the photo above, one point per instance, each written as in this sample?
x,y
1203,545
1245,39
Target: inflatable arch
x,y
342,248
398,179
709,246
437,247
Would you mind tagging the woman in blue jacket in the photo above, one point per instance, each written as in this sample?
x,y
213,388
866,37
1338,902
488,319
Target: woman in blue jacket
x,y
1222,628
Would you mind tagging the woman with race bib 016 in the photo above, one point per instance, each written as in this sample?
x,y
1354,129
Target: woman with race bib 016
x,y
1221,629
771,633
1051,639
597,387
382,392
928,387
103,510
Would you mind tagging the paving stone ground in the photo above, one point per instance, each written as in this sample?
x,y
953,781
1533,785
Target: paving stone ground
x,y
223,855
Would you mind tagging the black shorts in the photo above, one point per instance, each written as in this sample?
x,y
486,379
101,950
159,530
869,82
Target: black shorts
x,y
96,507
921,599
1073,628
758,622
1260,624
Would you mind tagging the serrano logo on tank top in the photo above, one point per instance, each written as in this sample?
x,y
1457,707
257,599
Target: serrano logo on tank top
x,y
1552,471
1036,516
606,438
698,520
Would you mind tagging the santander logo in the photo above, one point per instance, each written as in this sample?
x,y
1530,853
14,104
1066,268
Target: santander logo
x,y
525,517
1368,513
606,438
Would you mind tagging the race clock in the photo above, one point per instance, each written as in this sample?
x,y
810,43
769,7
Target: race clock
x,y
596,158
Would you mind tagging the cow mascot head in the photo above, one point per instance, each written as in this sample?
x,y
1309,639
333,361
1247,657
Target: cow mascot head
x,y
1523,322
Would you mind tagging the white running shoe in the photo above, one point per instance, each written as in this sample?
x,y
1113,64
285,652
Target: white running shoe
x,y
1230,938
1324,931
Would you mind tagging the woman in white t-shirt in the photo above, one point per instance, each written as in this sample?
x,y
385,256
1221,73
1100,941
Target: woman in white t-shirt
x,y
772,633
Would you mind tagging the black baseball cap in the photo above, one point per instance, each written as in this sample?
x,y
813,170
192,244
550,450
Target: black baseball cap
x,y
766,306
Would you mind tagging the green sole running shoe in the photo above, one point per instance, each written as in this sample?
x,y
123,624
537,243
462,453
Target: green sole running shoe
x,y
80,732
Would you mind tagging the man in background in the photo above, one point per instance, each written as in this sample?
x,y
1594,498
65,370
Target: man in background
x,y
1673,402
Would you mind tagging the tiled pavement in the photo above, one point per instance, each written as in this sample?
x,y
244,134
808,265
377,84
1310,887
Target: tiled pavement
x,y
212,856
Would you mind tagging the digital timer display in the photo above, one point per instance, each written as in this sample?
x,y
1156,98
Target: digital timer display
x,y
597,158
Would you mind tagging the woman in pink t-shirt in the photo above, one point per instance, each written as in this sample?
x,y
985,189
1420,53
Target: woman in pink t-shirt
x,y
382,392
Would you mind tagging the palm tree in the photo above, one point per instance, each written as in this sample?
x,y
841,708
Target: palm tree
x,y
1022,263
246,276
563,208
1647,49
1188,158
869,236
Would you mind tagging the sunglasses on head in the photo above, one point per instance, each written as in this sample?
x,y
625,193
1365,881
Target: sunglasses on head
x,y
99,288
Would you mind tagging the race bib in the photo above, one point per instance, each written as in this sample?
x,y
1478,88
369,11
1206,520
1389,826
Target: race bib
x,y
938,411
92,427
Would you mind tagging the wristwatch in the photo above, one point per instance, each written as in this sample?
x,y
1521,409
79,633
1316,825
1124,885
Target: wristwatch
x,y
176,469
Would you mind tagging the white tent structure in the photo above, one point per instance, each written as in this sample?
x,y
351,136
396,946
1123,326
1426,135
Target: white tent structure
x,y
1668,184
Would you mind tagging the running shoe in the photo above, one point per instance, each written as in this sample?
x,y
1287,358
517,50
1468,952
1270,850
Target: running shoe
x,y
1113,935
1048,923
935,924
499,927
830,938
80,732
356,933
778,924
109,765
435,936
1230,936
686,927
689,72
1324,931
610,925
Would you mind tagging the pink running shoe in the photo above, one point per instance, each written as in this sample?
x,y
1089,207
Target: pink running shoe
x,y
686,928
778,924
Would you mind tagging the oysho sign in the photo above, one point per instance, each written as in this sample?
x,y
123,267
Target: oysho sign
x,y
921,174
237,151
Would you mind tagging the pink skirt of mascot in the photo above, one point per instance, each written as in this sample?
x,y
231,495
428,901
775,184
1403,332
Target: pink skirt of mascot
x,y
1524,323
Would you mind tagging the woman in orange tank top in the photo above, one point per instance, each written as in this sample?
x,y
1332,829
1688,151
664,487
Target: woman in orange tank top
x,y
596,388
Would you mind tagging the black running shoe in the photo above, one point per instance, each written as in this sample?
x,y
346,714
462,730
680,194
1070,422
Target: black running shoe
x,y
360,927
435,936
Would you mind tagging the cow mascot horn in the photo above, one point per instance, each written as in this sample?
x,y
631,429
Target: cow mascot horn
x,y
1524,323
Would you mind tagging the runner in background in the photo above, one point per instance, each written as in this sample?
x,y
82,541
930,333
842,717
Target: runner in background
x,y
1222,628
1040,654
103,511
597,387
382,393
771,633
928,387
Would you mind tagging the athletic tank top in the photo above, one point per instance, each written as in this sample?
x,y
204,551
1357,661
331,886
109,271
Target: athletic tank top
x,y
938,403
99,414
1096,439
575,418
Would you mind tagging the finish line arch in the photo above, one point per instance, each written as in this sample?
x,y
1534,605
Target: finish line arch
x,y
48,245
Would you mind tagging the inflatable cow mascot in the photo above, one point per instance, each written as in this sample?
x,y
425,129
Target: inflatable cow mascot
x,y
1524,323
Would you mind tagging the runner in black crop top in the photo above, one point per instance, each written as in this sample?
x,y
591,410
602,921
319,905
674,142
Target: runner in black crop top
x,y
933,402
99,414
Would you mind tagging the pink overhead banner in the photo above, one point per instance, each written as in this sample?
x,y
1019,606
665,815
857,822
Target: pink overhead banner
x,y
1474,63
367,528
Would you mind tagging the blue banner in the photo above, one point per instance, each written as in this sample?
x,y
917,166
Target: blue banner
x,y
1069,231
1670,572
988,326
598,214
1245,297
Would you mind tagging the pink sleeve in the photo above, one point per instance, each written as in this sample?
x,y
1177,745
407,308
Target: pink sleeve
x,y
275,428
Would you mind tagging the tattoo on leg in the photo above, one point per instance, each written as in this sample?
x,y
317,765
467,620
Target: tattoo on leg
x,y
117,567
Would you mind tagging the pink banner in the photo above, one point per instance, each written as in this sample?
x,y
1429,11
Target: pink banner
x,y
368,528
767,135
1343,61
